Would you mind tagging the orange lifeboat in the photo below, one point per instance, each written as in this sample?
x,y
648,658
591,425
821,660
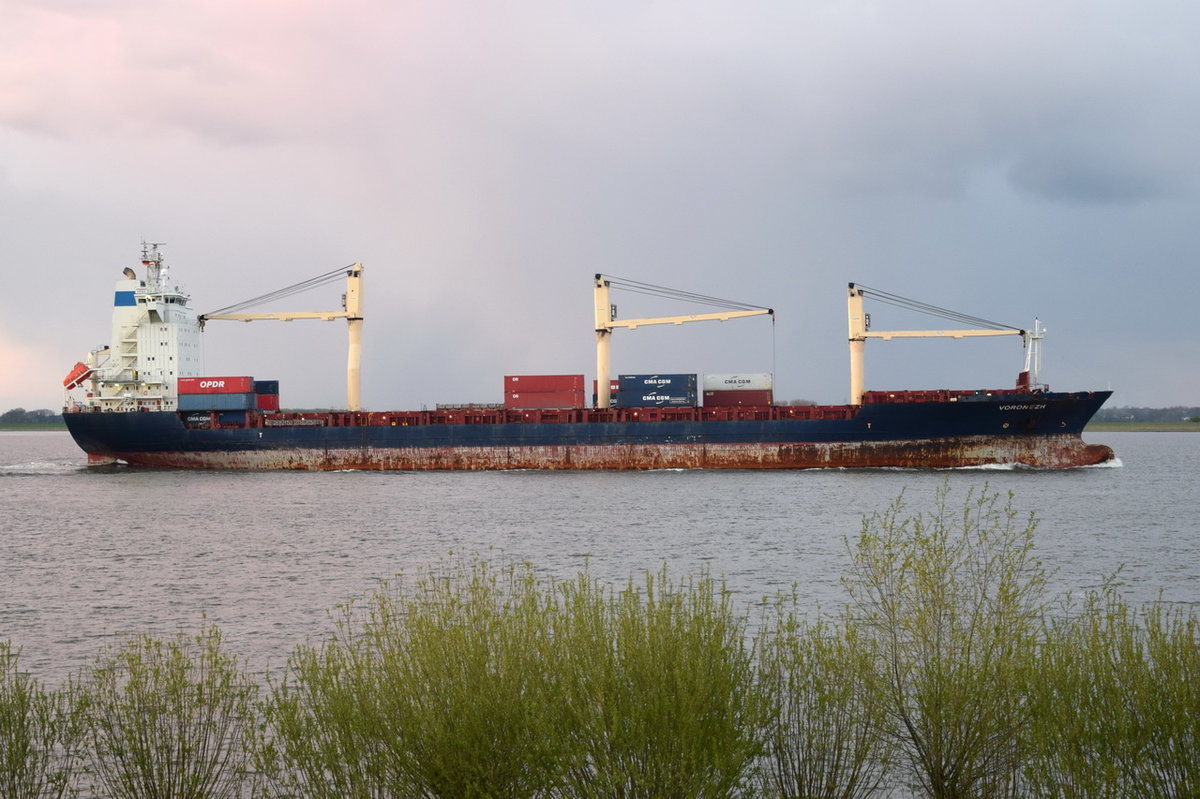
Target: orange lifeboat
x,y
77,375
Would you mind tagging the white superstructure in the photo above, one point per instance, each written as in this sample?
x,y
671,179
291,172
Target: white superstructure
x,y
155,341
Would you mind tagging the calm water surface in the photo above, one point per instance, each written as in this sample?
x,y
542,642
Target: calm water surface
x,y
89,556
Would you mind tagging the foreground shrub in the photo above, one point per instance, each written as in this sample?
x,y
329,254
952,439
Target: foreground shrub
x,y
949,603
1119,703
471,682
447,689
827,738
170,719
661,689
39,734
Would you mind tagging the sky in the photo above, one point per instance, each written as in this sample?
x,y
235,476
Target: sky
x,y
484,160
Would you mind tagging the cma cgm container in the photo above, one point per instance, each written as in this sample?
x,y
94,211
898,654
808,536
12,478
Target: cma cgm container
x,y
216,385
739,382
736,397
218,402
651,391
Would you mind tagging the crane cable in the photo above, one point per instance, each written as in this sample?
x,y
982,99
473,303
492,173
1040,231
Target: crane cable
x,y
933,310
306,285
637,287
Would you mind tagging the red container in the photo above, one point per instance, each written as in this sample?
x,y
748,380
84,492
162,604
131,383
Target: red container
x,y
268,402
216,385
725,399
529,383
543,399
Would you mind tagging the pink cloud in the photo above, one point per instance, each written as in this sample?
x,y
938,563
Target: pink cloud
x,y
234,72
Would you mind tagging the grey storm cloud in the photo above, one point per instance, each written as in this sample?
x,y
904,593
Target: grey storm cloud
x,y
1074,177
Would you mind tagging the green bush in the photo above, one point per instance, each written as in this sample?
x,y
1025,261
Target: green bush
x,y
1118,702
478,683
949,605
445,690
170,719
827,738
39,734
660,684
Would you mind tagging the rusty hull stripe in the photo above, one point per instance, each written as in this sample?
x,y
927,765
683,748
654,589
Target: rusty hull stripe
x,y
1047,452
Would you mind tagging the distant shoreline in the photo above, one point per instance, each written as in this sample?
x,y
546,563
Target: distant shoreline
x,y
1142,427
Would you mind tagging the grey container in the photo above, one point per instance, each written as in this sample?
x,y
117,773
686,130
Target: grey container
x,y
759,381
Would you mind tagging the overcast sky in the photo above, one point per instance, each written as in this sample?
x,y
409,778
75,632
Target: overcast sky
x,y
483,160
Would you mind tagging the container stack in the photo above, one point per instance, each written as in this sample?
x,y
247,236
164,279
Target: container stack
x,y
217,394
741,389
543,391
656,391
266,395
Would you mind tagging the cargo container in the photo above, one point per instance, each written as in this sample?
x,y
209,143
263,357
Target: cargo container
x,y
528,383
736,397
657,390
739,382
614,388
232,417
544,399
216,385
266,386
218,402
267,402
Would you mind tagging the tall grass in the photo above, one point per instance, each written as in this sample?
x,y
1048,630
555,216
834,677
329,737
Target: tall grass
x,y
39,734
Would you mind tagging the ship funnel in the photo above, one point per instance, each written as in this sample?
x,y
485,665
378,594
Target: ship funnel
x,y
129,274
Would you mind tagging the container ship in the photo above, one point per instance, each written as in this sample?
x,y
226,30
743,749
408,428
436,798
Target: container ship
x,y
143,401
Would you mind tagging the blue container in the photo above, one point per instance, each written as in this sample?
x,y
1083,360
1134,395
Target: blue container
x,y
232,417
653,391
266,386
218,402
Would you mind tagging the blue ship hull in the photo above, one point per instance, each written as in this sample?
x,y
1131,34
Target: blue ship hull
x,y
1038,429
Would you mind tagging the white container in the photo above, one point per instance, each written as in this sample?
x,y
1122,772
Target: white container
x,y
739,382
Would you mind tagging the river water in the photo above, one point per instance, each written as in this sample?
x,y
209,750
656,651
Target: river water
x,y
90,556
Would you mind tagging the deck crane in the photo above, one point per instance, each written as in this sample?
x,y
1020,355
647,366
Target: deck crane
x,y
860,324
605,324
351,312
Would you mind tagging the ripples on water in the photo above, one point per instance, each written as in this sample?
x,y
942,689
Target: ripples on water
x,y
93,554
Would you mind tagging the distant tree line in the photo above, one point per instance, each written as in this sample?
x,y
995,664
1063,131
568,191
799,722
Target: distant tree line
x,y
22,416
1175,413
